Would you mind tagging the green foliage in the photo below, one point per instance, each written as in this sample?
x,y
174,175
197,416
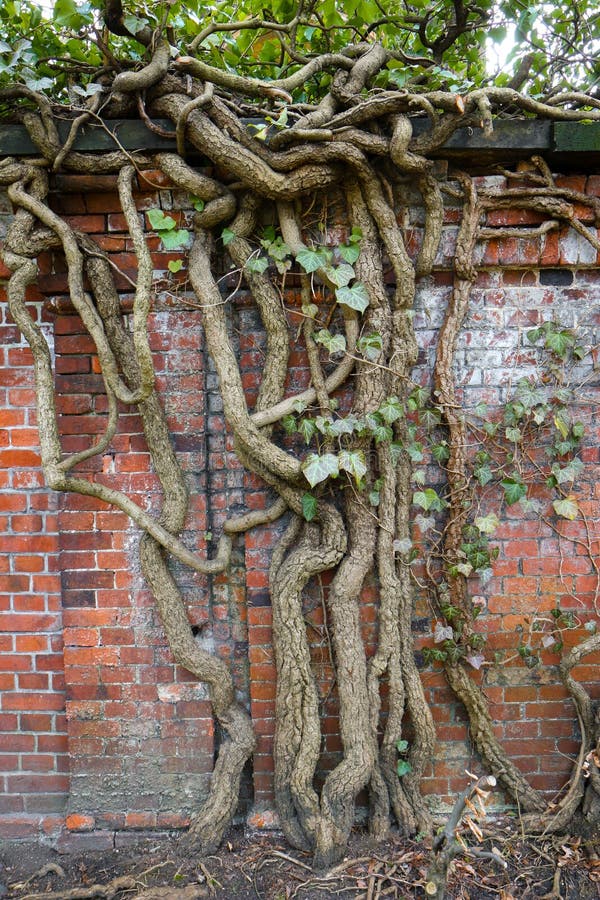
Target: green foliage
x,y
309,507
43,48
318,468
172,238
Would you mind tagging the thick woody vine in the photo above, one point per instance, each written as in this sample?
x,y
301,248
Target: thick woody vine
x,y
348,498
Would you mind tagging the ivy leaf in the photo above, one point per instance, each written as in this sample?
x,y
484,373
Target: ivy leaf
x,y
258,264
559,342
310,310
442,633
374,498
430,418
382,433
66,14
318,468
159,221
441,452
349,253
323,424
134,24
429,500
513,434
307,428
356,297
487,524
404,767
39,84
419,396
340,275
513,490
311,260
371,346
425,523
401,746
289,424
173,240
227,236
309,507
354,463
561,425
391,409
335,343
476,660
567,508
175,265
483,474
415,452
346,425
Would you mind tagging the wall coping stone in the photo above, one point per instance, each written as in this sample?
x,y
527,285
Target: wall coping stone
x,y
564,143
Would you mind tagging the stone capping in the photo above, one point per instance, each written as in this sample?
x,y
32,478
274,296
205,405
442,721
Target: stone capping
x,y
569,143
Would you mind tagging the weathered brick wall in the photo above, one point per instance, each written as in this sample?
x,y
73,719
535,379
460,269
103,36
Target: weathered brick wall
x,y
33,742
136,730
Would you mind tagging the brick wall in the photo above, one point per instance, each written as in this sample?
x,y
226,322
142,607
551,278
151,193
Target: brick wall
x,y
136,730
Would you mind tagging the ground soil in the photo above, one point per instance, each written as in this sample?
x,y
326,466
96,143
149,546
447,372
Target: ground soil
x,y
262,867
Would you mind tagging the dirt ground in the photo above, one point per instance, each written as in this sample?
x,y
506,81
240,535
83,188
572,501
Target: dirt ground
x,y
251,867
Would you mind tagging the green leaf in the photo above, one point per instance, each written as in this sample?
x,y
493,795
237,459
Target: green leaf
x,y
159,221
349,253
401,746
340,275
559,342
513,490
370,345
309,507
567,508
415,451
356,297
561,424
391,409
483,474
354,463
258,264
487,524
289,424
310,310
513,434
134,24
227,236
173,240
67,15
323,424
429,500
175,265
307,428
345,425
335,343
419,396
382,433
311,260
318,468
441,452
404,767
39,84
